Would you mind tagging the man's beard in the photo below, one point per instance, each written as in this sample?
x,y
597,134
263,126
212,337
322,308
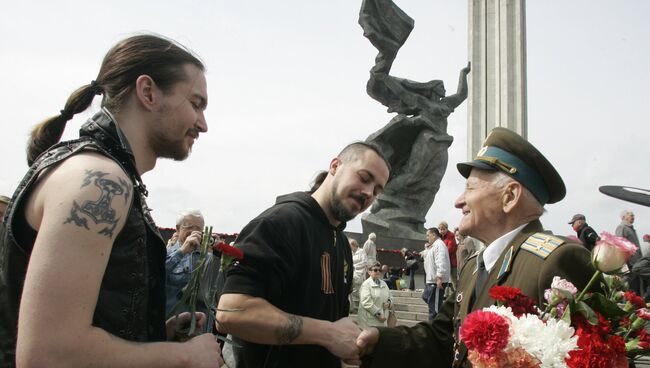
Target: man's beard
x,y
161,143
338,209
166,148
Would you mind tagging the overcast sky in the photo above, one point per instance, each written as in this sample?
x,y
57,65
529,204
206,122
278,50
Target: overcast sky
x,y
286,85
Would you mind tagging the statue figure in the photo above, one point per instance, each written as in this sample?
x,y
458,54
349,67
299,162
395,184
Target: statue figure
x,y
415,142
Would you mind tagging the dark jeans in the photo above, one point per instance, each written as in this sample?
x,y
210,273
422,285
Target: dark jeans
x,y
435,298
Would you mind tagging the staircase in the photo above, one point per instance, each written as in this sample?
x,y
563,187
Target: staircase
x,y
409,307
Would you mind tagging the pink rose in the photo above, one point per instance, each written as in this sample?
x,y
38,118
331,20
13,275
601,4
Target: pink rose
x,y
553,296
611,252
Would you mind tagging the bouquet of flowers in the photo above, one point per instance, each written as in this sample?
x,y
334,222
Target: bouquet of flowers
x,y
575,329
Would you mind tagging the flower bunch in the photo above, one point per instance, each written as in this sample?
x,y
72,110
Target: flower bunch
x,y
575,329
496,337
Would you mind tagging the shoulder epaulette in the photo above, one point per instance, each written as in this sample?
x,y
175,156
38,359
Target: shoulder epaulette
x,y
541,244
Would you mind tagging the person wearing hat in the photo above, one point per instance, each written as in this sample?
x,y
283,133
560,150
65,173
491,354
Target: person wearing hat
x,y
585,233
508,184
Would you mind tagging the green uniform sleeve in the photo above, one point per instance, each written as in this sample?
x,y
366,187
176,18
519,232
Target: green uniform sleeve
x,y
423,345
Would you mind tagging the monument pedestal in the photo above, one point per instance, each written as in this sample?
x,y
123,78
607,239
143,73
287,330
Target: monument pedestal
x,y
372,223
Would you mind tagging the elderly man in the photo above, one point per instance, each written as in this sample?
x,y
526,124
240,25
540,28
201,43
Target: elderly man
x,y
371,248
466,248
285,301
585,233
508,184
182,258
626,230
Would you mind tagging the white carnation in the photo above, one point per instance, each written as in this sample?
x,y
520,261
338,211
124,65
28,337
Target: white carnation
x,y
549,342
501,310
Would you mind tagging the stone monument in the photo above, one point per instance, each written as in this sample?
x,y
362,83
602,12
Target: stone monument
x,y
415,141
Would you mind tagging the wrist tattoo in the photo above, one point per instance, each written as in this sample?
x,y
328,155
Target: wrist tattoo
x,y
290,331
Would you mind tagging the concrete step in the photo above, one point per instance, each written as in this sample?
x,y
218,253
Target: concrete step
x,y
408,300
411,308
406,293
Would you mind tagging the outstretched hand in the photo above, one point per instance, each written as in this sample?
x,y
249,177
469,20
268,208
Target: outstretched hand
x,y
367,341
344,346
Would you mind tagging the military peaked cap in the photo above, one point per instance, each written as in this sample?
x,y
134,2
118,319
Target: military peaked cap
x,y
506,151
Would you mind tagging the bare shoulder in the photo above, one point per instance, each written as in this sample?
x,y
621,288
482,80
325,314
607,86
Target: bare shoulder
x,y
88,191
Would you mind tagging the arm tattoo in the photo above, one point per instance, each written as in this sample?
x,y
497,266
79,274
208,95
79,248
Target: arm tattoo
x,y
99,211
290,331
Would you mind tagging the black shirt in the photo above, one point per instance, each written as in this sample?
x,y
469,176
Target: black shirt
x,y
296,260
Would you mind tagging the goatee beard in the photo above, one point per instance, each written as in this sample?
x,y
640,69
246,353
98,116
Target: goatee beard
x,y
339,211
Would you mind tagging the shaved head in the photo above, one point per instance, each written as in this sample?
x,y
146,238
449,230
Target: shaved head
x,y
354,150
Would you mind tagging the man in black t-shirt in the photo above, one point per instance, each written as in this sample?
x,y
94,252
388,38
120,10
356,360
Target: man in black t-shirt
x,y
286,300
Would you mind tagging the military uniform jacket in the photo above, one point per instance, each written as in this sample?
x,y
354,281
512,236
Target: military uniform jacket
x,y
529,262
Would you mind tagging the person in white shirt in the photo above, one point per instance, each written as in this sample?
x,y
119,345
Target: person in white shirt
x,y
360,263
371,248
437,270
375,299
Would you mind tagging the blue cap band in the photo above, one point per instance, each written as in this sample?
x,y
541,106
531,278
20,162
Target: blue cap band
x,y
510,164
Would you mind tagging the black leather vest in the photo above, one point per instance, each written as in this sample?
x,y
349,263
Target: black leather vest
x,y
131,303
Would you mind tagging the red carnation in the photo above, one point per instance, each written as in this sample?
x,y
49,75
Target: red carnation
x,y
595,352
644,339
504,293
583,326
634,299
229,250
513,298
485,332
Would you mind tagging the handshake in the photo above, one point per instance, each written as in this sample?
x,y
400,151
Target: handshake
x,y
349,342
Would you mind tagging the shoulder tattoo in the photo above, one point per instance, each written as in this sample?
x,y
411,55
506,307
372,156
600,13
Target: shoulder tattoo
x,y
100,210
290,331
